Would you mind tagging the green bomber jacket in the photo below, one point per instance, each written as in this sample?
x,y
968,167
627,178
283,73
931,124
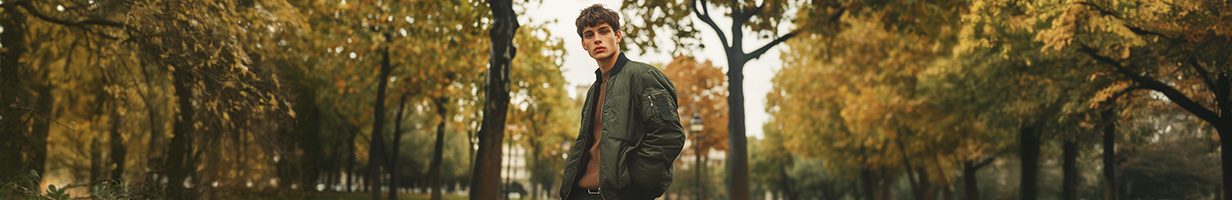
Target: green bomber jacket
x,y
642,135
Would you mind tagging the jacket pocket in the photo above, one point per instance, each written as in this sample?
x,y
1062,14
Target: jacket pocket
x,y
623,177
657,107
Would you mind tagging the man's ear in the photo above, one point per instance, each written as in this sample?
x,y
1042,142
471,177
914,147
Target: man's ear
x,y
619,35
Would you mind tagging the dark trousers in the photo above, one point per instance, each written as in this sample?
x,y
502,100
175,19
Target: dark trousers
x,y
585,196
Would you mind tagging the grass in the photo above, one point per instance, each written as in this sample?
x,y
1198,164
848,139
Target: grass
x,y
349,196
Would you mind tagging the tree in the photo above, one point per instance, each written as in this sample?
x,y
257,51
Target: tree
x,y
485,179
701,90
376,152
761,18
543,115
771,165
1179,152
1116,105
868,92
700,87
416,27
764,19
1031,42
18,97
82,78
1175,48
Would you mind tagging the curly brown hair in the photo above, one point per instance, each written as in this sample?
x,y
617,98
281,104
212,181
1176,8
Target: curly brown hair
x,y
596,15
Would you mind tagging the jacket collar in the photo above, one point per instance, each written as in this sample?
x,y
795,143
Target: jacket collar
x,y
620,64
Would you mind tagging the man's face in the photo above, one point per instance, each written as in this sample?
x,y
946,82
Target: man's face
x,y
601,41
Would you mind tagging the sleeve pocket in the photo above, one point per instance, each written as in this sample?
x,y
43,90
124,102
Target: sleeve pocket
x,y
658,106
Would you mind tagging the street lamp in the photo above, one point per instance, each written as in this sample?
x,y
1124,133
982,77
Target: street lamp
x,y
695,127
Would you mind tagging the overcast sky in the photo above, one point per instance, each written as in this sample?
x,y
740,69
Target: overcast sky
x,y
579,67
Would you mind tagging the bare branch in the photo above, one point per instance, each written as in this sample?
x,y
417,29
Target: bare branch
x,y
704,14
35,12
1144,32
986,161
1206,78
1135,29
757,53
1112,100
741,13
762,50
1176,96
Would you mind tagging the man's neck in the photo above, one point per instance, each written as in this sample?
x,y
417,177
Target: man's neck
x,y
606,65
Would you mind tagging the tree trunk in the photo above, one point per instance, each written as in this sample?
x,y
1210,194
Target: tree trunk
x,y
970,178
885,185
1223,97
177,164
485,178
926,187
333,166
438,150
39,133
117,144
912,179
867,175
737,154
970,185
535,146
152,115
376,147
1029,144
311,144
96,160
12,120
1110,182
535,172
785,184
337,157
393,158
1069,169
350,161
1225,156
97,170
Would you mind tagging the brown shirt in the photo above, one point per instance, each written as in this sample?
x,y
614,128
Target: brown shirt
x,y
590,179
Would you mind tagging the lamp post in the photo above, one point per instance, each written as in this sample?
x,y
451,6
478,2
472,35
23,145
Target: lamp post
x,y
695,127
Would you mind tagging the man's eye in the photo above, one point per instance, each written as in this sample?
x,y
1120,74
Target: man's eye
x,y
603,32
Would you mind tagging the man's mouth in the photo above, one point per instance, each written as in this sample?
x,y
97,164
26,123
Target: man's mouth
x,y
600,49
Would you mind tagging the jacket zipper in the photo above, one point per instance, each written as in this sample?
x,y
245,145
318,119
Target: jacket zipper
x,y
570,192
572,180
597,140
600,141
650,100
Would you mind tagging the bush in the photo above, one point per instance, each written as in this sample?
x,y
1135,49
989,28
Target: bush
x,y
27,185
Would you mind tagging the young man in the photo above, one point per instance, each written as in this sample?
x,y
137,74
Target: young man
x,y
630,132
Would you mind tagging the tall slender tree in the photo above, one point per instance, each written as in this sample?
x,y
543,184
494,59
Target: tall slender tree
x,y
376,151
485,176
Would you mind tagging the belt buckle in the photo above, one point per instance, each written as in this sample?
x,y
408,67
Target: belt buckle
x,y
594,191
